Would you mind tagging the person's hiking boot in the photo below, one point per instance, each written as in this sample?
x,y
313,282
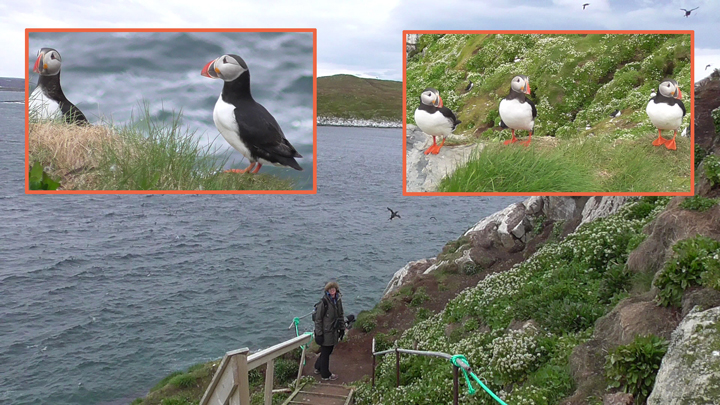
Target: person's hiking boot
x,y
316,371
332,377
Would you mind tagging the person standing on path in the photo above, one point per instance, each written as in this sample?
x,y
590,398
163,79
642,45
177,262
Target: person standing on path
x,y
329,327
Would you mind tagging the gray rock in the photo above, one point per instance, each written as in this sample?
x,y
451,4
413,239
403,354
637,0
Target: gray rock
x,y
424,172
618,398
559,208
513,221
599,207
690,371
404,274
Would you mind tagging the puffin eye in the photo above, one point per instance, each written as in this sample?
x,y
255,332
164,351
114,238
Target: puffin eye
x,y
52,56
225,59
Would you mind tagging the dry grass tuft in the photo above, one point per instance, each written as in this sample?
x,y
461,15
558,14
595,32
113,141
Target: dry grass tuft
x,y
70,152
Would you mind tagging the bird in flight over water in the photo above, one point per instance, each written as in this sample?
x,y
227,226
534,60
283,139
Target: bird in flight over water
x,y
393,214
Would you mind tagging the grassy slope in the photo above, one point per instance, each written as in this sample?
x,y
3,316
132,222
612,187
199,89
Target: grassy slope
x,y
347,96
576,80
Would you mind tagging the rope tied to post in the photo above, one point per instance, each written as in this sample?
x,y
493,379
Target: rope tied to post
x,y
472,390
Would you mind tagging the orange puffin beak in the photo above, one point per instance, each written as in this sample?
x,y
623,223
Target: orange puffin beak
x,y
527,89
679,95
440,98
210,67
37,63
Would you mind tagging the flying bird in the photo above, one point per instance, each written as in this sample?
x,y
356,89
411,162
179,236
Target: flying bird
x,y
516,110
687,12
707,66
48,100
585,5
393,214
245,124
434,119
666,111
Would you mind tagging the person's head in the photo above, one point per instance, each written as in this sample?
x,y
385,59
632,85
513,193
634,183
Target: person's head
x,y
332,288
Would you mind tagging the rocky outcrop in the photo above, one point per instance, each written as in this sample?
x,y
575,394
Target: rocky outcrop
x,y
424,172
411,42
690,371
504,233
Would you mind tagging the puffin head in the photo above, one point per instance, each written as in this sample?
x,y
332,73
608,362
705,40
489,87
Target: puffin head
x,y
48,62
520,84
227,67
669,88
431,96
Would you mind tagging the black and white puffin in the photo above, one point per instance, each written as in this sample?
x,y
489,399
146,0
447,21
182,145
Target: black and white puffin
x,y
434,119
666,111
516,110
48,101
246,125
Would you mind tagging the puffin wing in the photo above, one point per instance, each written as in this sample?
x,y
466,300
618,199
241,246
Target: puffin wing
x,y
72,114
532,105
263,135
682,106
447,113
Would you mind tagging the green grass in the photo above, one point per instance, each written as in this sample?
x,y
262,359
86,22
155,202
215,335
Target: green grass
x,y
579,165
146,154
347,96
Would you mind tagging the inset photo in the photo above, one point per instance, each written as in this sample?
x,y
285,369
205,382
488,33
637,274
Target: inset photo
x,y
171,111
549,113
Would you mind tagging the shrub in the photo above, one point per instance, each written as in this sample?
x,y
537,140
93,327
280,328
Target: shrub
x,y
285,371
693,258
366,321
712,169
422,314
698,203
386,305
633,367
700,154
184,380
39,180
177,400
419,297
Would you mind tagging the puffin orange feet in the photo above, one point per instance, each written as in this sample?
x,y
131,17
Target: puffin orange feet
x,y
670,143
246,170
513,140
436,148
660,140
527,143
432,148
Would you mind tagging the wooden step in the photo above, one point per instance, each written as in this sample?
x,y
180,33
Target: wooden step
x,y
321,394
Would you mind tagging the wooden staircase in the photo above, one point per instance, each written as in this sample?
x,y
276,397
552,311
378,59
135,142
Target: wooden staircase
x,y
321,394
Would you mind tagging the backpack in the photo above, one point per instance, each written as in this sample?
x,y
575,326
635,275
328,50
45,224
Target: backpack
x,y
315,311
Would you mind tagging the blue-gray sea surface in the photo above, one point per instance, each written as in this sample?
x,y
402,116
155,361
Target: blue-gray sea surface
x,y
109,75
101,296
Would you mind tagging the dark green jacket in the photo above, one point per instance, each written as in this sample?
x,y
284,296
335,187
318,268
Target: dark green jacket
x,y
326,320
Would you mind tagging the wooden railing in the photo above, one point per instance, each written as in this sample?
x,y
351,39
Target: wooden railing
x,y
397,351
230,383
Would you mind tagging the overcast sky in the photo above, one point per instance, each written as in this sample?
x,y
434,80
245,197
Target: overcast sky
x,y
361,37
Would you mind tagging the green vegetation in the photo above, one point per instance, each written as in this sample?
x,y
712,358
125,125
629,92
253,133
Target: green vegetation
x,y
347,96
578,165
716,119
563,289
577,81
712,169
696,262
366,321
633,367
147,154
40,180
698,203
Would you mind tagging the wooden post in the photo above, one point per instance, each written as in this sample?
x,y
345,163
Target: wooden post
x,y
397,367
300,369
373,371
242,387
456,385
269,378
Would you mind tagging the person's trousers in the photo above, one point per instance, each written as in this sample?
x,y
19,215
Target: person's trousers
x,y
323,361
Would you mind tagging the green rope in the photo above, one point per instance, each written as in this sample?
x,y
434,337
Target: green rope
x,y
472,390
296,322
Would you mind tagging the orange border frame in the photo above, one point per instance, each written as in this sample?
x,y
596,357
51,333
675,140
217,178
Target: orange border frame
x,y
692,116
27,114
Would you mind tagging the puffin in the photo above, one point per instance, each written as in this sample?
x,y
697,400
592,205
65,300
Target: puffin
x,y
393,214
245,124
516,110
48,100
434,119
666,111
